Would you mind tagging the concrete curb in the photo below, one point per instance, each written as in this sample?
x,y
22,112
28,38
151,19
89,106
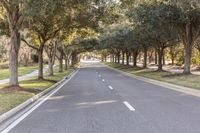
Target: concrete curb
x,y
28,102
187,90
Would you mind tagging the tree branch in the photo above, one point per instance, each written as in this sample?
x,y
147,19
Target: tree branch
x,y
22,39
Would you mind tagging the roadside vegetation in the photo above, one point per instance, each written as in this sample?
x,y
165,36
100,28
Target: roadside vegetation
x,y
191,81
22,71
10,99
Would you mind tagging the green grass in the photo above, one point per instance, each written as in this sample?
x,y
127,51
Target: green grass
x,y
11,99
191,80
21,71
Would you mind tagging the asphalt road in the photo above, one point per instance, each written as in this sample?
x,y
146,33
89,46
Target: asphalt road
x,y
100,100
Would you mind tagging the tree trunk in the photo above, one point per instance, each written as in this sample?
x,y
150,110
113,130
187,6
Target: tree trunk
x,y
123,57
150,55
75,59
26,59
40,61
160,59
105,58
60,65
156,57
187,60
15,19
127,58
113,58
135,54
164,63
172,61
145,59
66,63
50,69
118,57
13,57
188,44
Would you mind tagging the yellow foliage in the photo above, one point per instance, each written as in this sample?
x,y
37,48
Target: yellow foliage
x,y
76,33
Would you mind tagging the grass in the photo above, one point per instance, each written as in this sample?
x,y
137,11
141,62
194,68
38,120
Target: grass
x,y
190,80
10,99
21,71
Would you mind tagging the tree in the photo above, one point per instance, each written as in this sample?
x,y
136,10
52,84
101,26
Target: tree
x,y
155,20
174,50
15,12
48,18
197,44
188,24
51,53
60,54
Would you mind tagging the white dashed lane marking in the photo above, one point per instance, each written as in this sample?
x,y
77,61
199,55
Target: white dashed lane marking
x,y
110,87
129,106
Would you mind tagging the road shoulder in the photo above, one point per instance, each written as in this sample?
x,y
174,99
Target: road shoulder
x,y
14,114
178,88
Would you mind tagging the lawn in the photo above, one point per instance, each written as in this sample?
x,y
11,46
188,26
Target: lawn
x,y
4,73
10,99
191,80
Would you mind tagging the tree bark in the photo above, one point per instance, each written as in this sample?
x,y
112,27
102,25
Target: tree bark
x,y
51,53
172,61
50,69
105,58
75,59
164,58
60,60
66,63
15,19
150,55
145,59
60,65
13,57
127,58
118,57
187,60
26,59
135,54
160,59
113,58
188,44
40,61
123,57
156,57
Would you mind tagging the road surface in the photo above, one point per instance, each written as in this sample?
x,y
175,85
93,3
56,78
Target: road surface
x,y
100,100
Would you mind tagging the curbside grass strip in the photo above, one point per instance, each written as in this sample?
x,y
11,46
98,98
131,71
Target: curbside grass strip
x,y
28,102
187,90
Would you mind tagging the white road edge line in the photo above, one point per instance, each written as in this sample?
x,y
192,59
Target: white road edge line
x,y
110,87
129,106
16,122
